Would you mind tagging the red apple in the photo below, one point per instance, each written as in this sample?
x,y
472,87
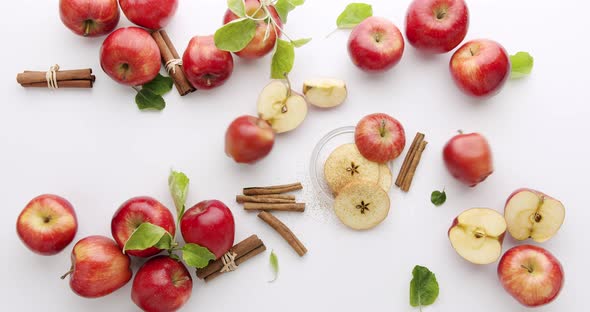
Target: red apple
x,y
206,66
133,213
162,284
152,14
209,224
380,137
531,274
130,56
480,67
89,18
98,267
468,157
375,44
258,47
436,26
249,139
47,224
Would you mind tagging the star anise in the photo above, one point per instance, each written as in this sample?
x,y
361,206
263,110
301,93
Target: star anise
x,y
363,206
353,169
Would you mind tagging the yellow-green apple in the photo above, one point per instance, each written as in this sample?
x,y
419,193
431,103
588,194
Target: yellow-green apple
x,y
206,66
130,56
380,137
436,26
480,67
325,93
162,284
98,267
477,235
375,44
532,214
209,224
281,107
135,211
531,274
47,224
468,157
89,18
152,14
259,46
249,139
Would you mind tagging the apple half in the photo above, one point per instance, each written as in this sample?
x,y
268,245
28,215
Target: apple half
x,y
325,93
532,214
281,107
477,235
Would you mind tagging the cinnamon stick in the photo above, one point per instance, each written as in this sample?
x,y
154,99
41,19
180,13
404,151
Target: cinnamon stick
x,y
407,182
296,207
259,199
408,160
284,231
277,189
244,251
62,84
77,78
278,196
169,53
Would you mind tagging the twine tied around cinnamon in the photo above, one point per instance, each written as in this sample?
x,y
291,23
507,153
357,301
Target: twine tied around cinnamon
x,y
171,65
229,264
51,77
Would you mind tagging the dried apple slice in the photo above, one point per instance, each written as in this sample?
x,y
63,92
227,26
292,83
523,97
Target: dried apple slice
x,y
282,108
385,177
325,93
362,205
345,165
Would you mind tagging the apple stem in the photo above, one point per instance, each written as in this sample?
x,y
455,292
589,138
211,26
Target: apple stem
x,y
529,269
87,25
382,129
68,273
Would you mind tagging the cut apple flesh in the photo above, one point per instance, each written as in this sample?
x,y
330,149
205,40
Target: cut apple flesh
x,y
345,165
362,205
385,177
533,215
283,109
477,235
325,93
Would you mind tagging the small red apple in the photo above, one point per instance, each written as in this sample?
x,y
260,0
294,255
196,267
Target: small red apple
x,y
152,14
132,213
436,26
375,44
380,137
209,224
162,284
531,274
89,18
47,224
468,157
98,267
130,56
206,66
249,139
480,67
258,47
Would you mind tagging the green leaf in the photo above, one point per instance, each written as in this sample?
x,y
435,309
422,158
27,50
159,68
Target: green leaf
x,y
196,256
438,198
235,35
148,100
148,235
274,264
298,43
178,184
284,7
237,6
423,287
522,65
283,59
353,14
159,85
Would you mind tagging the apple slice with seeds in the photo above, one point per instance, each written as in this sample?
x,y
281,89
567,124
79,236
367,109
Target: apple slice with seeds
x,y
325,93
362,205
385,177
346,165
282,108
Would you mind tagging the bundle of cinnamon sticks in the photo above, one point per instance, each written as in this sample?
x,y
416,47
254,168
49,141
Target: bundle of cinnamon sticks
x,y
77,78
410,164
172,62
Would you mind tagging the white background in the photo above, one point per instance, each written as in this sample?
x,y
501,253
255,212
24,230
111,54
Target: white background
x,y
96,149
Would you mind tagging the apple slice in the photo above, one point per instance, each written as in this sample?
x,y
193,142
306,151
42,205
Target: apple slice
x,y
346,165
282,108
362,205
385,177
325,93
532,214
477,235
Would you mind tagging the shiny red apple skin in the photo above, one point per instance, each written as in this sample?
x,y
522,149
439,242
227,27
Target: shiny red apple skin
x,y
380,137
205,66
209,224
151,14
135,211
98,267
89,18
130,56
249,139
47,224
436,26
258,47
162,284
468,157
480,67
375,44
536,288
